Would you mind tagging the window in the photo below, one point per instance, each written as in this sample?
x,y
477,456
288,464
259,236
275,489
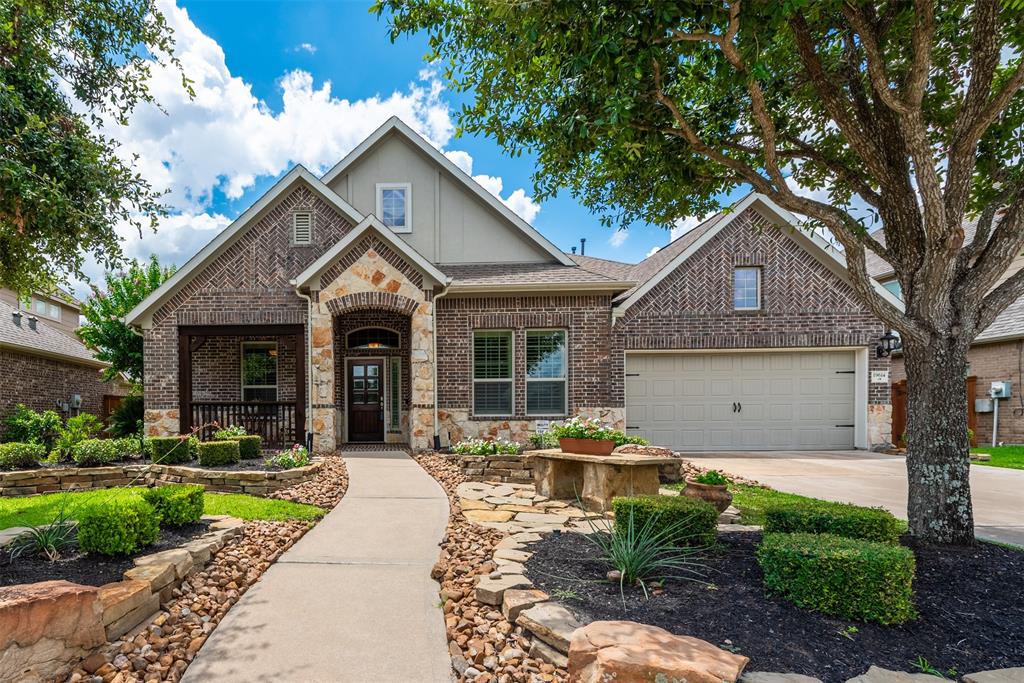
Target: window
x,y
545,372
373,338
45,308
746,289
394,205
894,287
395,395
492,373
302,227
259,371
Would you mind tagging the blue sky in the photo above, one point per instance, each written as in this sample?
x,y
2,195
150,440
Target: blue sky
x,y
279,83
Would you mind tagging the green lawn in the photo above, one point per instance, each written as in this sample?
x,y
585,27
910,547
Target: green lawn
x,y
1003,456
36,510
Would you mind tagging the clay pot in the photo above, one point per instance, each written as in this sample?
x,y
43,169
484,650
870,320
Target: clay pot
x,y
717,495
587,446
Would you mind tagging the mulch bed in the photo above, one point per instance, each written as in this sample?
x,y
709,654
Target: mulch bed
x,y
971,602
91,570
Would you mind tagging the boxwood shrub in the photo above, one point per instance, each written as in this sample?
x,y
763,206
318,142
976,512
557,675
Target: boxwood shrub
x,y
176,504
826,517
846,577
117,526
214,453
250,446
172,450
16,455
95,452
697,520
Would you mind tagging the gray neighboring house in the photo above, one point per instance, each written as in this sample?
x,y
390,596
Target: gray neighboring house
x,y
395,300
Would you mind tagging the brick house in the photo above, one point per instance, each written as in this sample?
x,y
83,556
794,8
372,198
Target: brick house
x,y
394,299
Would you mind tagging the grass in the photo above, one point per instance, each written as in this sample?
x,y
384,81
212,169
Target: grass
x,y
36,510
1011,457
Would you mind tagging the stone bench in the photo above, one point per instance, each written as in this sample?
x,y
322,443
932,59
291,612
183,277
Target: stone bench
x,y
595,479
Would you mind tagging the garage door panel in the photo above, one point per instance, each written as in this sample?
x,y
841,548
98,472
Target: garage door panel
x,y
661,388
664,412
722,387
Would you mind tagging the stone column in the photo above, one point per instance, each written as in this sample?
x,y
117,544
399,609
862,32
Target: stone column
x,y
322,362
421,366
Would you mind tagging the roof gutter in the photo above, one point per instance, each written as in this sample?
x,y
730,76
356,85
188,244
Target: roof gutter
x,y
34,351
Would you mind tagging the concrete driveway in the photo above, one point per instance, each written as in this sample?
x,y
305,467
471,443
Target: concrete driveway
x,y
878,480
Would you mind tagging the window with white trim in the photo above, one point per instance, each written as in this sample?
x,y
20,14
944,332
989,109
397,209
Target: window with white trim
x,y
546,372
492,372
746,289
302,227
45,308
259,371
394,205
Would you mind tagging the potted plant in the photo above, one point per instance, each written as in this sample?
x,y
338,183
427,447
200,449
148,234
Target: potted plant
x,y
585,436
711,486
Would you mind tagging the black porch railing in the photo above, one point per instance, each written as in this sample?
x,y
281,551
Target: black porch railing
x,y
275,421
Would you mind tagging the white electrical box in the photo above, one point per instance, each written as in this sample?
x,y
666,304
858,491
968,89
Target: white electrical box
x,y
983,405
1000,389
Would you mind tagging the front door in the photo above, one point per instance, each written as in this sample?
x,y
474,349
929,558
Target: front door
x,y
365,401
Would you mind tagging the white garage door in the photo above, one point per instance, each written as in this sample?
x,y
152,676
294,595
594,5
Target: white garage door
x,y
742,401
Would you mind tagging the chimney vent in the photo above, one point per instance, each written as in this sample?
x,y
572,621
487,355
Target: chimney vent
x,y
574,250
17,317
583,246
32,322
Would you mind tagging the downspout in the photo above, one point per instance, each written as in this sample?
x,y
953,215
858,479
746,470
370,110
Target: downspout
x,y
309,365
437,425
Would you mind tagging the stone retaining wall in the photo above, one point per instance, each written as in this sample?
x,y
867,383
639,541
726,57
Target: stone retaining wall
x,y
516,469
254,482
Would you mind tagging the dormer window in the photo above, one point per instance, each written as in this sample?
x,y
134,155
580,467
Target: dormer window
x,y
302,227
394,205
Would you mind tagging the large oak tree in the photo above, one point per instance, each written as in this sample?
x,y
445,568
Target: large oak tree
x,y
911,109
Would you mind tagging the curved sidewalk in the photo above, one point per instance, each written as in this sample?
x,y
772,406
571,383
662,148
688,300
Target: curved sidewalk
x,y
353,599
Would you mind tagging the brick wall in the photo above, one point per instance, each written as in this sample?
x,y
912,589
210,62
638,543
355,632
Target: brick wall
x,y
991,362
40,382
217,369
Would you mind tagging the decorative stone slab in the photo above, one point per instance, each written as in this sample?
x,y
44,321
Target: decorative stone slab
x,y
181,558
627,652
143,612
491,591
620,459
1014,675
525,537
551,622
518,599
121,597
511,555
768,677
488,515
877,674
509,543
9,534
158,576
545,653
470,504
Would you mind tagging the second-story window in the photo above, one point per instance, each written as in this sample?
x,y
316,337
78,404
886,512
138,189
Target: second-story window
x,y
394,205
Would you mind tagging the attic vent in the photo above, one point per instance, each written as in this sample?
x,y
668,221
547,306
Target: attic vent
x,y
302,227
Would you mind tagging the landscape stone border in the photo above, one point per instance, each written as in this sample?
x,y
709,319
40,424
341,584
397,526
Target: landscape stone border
x,y
253,482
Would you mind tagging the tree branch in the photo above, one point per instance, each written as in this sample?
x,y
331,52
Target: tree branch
x,y
998,252
999,298
876,62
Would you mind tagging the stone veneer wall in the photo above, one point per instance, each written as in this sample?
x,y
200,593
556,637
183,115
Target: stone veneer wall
x,y
253,482
517,469
40,382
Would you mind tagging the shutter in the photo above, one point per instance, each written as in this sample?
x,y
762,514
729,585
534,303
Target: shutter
x,y
302,227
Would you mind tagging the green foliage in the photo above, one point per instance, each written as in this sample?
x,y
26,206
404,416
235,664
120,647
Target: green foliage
x,y
28,426
296,456
229,433
117,526
104,330
845,577
712,478
621,439
75,430
826,517
543,440
50,539
127,418
173,450
250,447
17,456
176,504
216,453
583,428
486,447
693,521
99,452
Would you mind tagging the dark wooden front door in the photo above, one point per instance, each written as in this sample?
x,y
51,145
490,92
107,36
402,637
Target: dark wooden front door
x,y
365,401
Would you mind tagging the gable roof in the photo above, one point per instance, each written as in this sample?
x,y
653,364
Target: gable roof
x,y
395,125
519,277
44,341
369,224
226,237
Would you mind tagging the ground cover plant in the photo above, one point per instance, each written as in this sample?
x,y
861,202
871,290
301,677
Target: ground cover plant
x,y
486,447
296,456
1011,457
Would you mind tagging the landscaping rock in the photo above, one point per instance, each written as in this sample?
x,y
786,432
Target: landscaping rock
x,y
627,652
545,653
488,515
638,449
767,677
1015,675
490,591
519,599
551,622
879,675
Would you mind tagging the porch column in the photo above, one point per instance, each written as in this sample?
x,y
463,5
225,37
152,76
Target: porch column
x,y
322,362
421,366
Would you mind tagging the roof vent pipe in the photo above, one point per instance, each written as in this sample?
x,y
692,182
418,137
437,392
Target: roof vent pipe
x,y
17,317
32,322
583,246
574,250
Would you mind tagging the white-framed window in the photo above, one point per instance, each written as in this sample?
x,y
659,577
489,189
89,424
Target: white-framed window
x,y
546,378
746,289
492,373
44,307
394,205
302,227
259,371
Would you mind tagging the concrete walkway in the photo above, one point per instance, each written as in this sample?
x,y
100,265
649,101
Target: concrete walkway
x,y
878,480
353,599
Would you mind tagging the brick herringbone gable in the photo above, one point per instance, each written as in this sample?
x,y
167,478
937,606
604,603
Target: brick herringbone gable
x,y
368,243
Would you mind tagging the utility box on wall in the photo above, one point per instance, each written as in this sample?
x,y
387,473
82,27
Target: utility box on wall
x,y
983,405
1000,389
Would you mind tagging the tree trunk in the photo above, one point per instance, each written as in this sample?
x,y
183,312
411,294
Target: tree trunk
x,y
938,450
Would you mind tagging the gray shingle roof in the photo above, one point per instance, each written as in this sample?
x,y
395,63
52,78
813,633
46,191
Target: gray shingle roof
x,y
500,274
43,340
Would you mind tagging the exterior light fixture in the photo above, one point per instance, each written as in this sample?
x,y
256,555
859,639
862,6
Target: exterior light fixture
x,y
887,343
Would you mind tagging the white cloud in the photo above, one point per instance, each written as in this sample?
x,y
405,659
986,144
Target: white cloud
x,y
652,252
618,238
522,204
519,202
685,225
305,47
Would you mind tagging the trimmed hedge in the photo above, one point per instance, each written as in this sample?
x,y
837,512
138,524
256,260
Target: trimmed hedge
x,y
826,517
250,446
846,577
117,527
697,520
16,455
172,450
214,453
176,504
98,452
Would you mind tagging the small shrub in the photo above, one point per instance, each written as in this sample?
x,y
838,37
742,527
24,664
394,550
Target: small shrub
x,y
216,453
825,517
622,439
296,456
249,447
176,504
543,440
712,478
845,577
76,430
118,526
17,456
486,447
229,433
25,425
97,452
693,521
173,450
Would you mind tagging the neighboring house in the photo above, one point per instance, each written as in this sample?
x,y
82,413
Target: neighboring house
x,y
997,354
396,300
44,364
